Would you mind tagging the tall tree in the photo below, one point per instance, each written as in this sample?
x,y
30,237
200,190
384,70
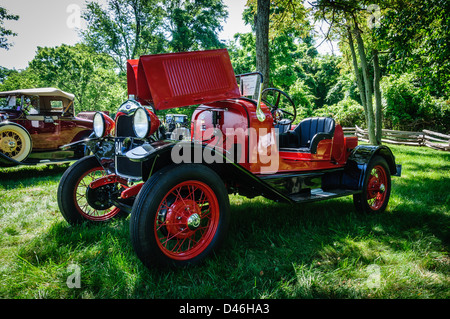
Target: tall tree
x,y
126,29
4,33
194,25
270,19
352,21
262,39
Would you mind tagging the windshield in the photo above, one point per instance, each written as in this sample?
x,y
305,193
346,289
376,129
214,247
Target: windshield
x,y
26,103
10,102
180,118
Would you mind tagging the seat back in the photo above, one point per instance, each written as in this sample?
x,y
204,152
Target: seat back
x,y
308,133
283,126
309,127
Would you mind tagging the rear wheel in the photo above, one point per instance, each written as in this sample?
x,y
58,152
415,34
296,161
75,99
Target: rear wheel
x,y
78,202
180,216
376,189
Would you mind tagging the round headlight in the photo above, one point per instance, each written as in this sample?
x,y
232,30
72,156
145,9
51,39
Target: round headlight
x,y
141,123
99,124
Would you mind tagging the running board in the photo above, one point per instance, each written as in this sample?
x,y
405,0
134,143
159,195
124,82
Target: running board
x,y
319,194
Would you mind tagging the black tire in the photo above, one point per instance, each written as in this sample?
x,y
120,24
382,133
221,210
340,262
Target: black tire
x,y
72,194
376,188
150,223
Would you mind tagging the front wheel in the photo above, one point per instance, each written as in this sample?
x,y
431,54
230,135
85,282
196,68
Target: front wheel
x,y
376,189
77,202
180,216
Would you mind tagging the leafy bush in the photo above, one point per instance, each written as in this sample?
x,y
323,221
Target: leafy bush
x,y
408,106
302,97
347,112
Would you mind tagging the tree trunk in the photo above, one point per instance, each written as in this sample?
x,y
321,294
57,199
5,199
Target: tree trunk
x,y
262,39
377,91
359,81
368,88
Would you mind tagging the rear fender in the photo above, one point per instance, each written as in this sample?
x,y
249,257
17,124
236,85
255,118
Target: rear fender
x,y
358,161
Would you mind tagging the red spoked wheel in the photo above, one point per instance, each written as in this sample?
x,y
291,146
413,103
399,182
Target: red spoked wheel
x,y
187,220
93,204
78,202
180,216
376,189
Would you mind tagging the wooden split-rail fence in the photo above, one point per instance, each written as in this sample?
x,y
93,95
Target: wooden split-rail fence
x,y
425,138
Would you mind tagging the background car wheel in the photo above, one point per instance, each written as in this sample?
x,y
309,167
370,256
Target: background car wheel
x,y
15,142
78,204
180,216
376,189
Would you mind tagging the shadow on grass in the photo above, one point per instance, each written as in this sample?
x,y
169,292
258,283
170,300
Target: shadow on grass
x,y
28,175
266,246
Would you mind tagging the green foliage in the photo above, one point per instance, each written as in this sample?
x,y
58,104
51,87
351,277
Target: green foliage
x,y
78,69
4,33
409,106
347,113
24,79
417,34
126,29
302,97
242,53
194,25
295,67
286,16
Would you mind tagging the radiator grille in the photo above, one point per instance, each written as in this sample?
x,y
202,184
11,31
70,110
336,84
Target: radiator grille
x,y
125,167
124,126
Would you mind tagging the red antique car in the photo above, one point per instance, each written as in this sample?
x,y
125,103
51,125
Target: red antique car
x,y
35,123
177,190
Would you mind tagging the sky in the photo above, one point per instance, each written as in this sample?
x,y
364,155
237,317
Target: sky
x,y
50,23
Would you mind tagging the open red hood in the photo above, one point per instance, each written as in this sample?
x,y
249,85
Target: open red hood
x,y
182,79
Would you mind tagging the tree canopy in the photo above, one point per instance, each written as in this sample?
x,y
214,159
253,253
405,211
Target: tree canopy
x,y
4,33
126,29
392,70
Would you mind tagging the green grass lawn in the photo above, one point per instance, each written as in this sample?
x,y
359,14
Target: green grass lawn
x,y
316,250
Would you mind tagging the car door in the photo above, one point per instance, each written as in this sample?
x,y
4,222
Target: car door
x,y
44,130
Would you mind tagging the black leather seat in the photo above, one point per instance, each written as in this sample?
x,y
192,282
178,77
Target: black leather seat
x,y
283,126
307,135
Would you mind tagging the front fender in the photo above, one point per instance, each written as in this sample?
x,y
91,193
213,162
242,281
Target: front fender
x,y
6,161
102,148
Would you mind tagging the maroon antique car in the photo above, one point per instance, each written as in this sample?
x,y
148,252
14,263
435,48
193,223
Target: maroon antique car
x,y
177,190
35,123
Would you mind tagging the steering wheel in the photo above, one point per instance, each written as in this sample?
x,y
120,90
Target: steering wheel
x,y
278,112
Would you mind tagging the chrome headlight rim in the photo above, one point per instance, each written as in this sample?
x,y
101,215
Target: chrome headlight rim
x,y
99,124
141,123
